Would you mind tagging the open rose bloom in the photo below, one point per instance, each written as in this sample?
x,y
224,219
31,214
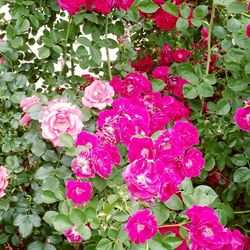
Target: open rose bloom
x,y
3,180
60,117
242,117
141,227
72,235
98,95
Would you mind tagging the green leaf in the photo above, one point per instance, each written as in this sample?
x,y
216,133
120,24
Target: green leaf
x,y
43,52
237,8
84,41
67,140
25,229
17,42
96,55
182,24
161,213
185,10
148,6
84,231
38,148
51,183
36,245
204,195
44,172
205,90
48,197
49,217
242,174
233,25
174,203
223,107
174,242
104,244
77,217
158,85
171,9
248,187
219,32
200,11
239,84
239,160
35,111
62,222
22,25
190,91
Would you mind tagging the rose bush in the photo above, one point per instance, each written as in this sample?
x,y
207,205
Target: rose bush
x,y
149,150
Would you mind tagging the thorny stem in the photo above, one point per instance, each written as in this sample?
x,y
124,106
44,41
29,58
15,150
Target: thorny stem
x,y
65,46
107,49
209,38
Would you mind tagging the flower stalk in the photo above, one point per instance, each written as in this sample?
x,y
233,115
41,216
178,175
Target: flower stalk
x,y
107,49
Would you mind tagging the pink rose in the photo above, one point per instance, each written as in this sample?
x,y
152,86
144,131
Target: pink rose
x,y
248,30
87,139
2,60
144,62
28,102
237,241
181,55
78,192
164,20
206,230
141,227
142,179
160,72
133,85
186,133
104,157
3,180
242,118
123,4
193,162
98,95
72,235
82,165
59,117
25,119
72,6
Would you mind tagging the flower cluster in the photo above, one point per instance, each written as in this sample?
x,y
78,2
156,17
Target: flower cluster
x,y
96,158
242,117
60,117
157,167
206,232
26,104
100,6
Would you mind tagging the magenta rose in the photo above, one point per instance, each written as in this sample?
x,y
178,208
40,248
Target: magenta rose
x,y
248,30
193,162
205,230
3,180
72,235
98,95
242,118
72,6
142,179
141,227
82,165
60,117
78,192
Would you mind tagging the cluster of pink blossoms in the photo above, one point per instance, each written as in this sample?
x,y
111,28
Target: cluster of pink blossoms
x,y
97,158
157,167
100,6
242,117
206,232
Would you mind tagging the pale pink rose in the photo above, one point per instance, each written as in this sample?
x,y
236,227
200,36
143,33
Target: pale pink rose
x,y
3,180
73,235
25,119
1,60
60,117
98,95
28,102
